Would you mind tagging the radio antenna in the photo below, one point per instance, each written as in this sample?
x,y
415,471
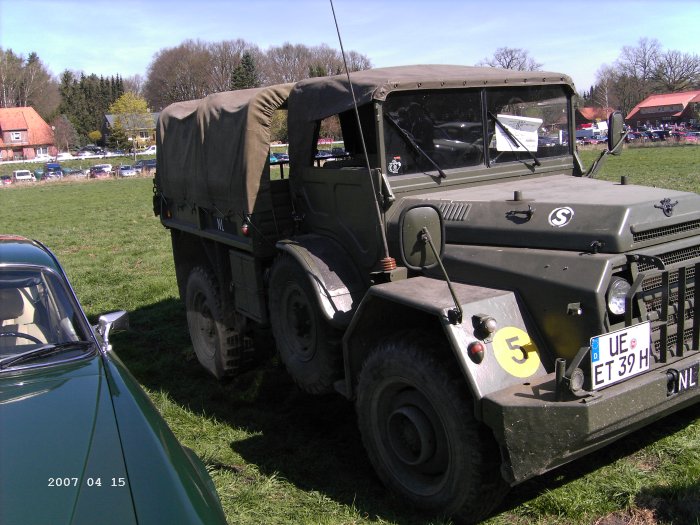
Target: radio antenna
x,y
388,263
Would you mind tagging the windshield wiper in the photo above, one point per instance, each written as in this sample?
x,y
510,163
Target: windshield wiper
x,y
42,351
408,138
514,139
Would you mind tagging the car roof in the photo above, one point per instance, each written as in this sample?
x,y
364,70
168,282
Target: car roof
x,y
15,249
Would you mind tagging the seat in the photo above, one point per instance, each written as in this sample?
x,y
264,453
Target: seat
x,y
14,317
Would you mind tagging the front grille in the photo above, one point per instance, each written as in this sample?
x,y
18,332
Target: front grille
x,y
666,231
667,299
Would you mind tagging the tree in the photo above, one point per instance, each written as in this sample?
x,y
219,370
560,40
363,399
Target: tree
x,y
131,115
118,138
85,100
64,133
27,83
245,75
179,73
511,58
675,71
225,59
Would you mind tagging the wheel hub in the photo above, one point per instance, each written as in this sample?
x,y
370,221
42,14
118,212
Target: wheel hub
x,y
411,435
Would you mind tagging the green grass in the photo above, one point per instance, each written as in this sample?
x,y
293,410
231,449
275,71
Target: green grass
x,y
280,456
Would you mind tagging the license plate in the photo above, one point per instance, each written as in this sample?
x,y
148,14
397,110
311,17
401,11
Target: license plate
x,y
687,379
619,355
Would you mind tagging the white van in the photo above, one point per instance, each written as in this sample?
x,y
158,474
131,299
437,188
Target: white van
x,y
23,176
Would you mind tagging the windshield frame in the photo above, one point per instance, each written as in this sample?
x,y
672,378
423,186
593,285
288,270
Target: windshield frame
x,y
56,283
488,169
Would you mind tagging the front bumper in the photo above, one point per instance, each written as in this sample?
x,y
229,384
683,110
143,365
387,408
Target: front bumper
x,y
539,433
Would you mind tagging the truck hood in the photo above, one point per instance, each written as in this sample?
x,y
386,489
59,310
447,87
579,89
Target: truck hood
x,y
58,438
565,213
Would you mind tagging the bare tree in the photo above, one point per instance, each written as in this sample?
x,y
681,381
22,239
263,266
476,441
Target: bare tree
x,y
675,71
27,83
640,62
287,63
135,84
179,73
603,94
225,58
511,58
65,135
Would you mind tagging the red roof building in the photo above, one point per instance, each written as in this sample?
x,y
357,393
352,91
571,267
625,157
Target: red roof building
x,y
24,134
589,114
669,108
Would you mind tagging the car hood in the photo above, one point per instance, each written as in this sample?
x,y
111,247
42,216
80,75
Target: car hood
x,y
566,213
89,421
61,459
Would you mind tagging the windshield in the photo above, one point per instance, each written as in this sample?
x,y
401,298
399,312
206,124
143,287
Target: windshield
x,y
36,310
436,130
536,117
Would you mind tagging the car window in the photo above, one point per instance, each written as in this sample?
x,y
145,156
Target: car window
x,y
36,309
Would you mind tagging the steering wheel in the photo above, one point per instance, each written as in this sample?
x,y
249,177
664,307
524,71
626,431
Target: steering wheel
x,y
24,336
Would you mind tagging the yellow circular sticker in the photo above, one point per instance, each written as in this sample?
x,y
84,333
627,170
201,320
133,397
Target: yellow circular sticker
x,y
515,352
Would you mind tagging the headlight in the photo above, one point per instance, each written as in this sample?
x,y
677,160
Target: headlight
x,y
617,291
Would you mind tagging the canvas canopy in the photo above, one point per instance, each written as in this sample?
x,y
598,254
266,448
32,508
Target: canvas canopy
x,y
214,152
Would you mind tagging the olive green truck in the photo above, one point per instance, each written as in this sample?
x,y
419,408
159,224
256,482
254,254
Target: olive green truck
x,y
493,310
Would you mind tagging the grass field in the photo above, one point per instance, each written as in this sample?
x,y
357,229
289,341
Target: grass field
x,y
278,456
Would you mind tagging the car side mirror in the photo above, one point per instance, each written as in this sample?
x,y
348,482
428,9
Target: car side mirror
x,y
112,321
616,132
421,230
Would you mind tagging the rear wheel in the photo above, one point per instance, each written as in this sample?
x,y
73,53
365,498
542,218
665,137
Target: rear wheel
x,y
220,348
308,346
416,419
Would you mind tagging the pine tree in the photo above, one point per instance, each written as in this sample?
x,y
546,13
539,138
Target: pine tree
x,y
246,74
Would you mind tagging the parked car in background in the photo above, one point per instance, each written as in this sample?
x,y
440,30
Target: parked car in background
x,y
80,438
692,137
64,156
5,180
144,166
73,172
150,150
52,170
101,171
126,171
23,176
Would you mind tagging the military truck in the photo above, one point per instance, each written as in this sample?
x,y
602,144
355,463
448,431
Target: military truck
x,y
493,310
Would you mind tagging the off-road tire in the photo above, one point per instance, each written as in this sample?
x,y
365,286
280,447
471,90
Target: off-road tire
x,y
220,348
307,345
416,418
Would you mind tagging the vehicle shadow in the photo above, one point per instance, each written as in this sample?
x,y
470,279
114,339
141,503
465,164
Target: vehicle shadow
x,y
313,441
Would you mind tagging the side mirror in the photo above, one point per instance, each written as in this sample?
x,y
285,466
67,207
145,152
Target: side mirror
x,y
416,252
112,321
616,132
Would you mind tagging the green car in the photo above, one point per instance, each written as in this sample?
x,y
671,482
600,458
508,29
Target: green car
x,y
80,440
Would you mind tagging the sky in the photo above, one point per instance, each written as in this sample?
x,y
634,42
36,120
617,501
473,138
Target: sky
x,y
109,37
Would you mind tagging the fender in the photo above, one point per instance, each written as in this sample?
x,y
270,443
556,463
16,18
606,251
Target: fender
x,y
512,353
338,283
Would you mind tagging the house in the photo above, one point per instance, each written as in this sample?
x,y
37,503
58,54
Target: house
x,y
24,134
665,109
145,132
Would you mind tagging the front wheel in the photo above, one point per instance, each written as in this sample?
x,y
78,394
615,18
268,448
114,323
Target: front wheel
x,y
417,424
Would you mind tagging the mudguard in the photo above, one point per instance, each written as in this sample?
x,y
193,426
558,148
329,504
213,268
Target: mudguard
x,y
511,354
338,283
